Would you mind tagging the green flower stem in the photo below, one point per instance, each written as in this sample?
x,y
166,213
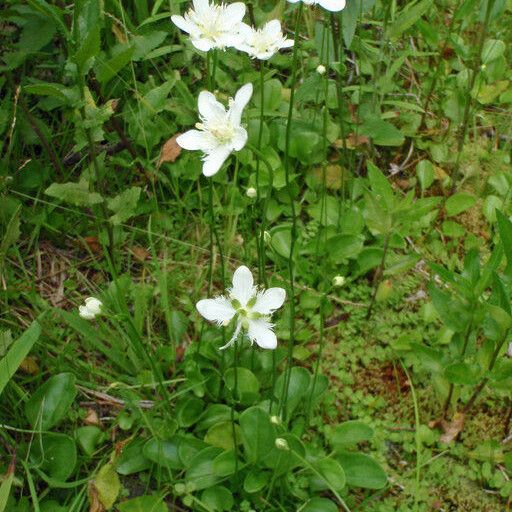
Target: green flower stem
x,y
235,399
417,428
337,44
261,242
321,267
462,354
469,100
378,276
321,344
439,65
261,247
293,233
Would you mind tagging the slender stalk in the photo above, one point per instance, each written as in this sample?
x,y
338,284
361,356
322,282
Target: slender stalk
x,y
293,233
439,64
484,381
337,44
261,241
378,276
469,100
462,354
235,399
417,425
318,360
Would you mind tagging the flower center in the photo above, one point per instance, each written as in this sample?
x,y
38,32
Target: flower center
x,y
210,23
224,133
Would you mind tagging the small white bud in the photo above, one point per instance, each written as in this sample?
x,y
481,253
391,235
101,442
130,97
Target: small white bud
x,y
91,309
509,349
321,69
282,444
251,192
267,237
338,281
276,420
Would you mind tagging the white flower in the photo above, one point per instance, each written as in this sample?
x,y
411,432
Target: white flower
x,y
263,43
91,309
251,192
212,26
220,132
321,69
330,5
338,281
250,307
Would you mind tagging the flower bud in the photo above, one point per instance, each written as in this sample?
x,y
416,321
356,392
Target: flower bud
x,y
338,281
282,444
321,69
276,420
267,237
509,349
251,192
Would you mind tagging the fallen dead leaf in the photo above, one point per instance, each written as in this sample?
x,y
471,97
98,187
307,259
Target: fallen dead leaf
x,y
29,365
92,418
451,429
94,500
140,253
93,244
353,140
333,176
170,151
119,34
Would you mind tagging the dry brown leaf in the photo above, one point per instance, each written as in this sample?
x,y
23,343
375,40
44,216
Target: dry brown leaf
x,y
353,140
92,418
170,151
94,500
93,244
333,176
29,365
140,253
453,428
119,33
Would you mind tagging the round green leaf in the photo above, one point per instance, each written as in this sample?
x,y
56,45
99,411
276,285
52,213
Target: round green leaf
x,y
143,504
132,459
221,435
258,433
88,438
189,411
362,471
55,454
248,386
50,403
256,480
200,473
332,474
350,433
218,498
163,453
320,505
458,203
297,387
